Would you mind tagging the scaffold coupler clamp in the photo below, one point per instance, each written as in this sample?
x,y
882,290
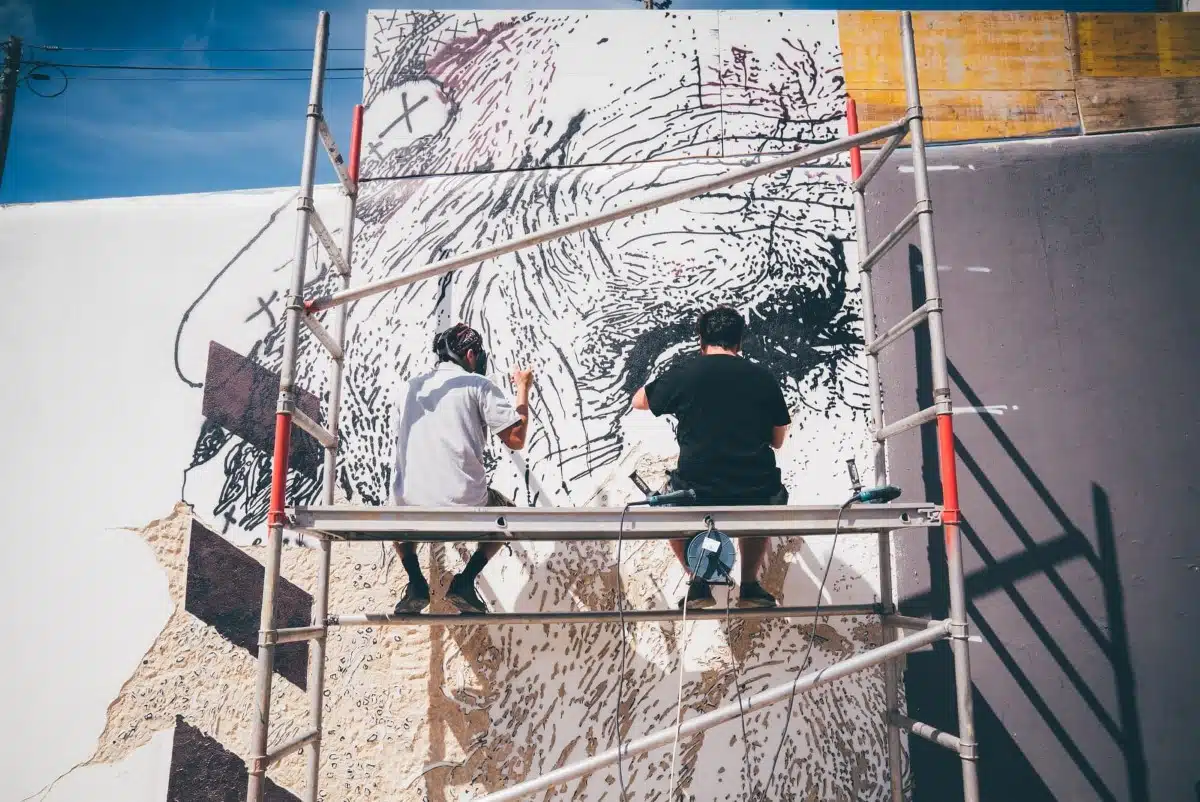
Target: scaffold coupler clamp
x,y
913,113
968,750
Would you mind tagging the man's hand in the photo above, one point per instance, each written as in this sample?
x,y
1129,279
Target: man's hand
x,y
522,379
514,436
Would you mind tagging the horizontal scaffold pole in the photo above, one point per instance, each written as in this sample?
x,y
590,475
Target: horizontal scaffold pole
x,y
723,714
463,524
687,191
593,616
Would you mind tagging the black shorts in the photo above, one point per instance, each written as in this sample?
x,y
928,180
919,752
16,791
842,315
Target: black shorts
x,y
778,498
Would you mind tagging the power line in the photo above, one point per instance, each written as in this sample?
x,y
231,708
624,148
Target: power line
x,y
182,68
58,49
207,79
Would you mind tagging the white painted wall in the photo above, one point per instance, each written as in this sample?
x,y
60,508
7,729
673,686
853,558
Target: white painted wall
x,y
121,298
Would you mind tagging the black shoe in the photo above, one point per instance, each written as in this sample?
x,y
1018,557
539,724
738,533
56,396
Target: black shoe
x,y
416,599
699,596
462,595
753,594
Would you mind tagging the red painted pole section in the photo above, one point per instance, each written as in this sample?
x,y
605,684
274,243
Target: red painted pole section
x,y
852,129
355,142
279,468
951,514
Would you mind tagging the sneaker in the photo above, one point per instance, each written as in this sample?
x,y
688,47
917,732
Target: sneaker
x,y
753,594
462,595
699,596
416,599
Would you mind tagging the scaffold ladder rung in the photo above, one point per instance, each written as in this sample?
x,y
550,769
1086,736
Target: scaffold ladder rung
x,y
294,634
910,321
349,185
904,424
331,248
877,163
897,234
323,336
319,432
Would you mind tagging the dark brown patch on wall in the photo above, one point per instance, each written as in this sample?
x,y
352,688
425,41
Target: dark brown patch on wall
x,y
224,590
241,396
202,770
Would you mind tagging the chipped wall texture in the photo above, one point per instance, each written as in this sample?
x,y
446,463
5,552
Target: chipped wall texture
x,y
481,127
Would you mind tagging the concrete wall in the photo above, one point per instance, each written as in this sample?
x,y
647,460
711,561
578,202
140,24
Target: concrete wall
x,y
148,338
1068,273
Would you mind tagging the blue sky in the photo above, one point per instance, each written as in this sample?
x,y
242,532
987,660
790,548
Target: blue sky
x,y
116,133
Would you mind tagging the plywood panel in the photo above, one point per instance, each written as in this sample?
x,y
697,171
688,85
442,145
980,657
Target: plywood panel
x,y
1118,104
1138,45
955,115
971,50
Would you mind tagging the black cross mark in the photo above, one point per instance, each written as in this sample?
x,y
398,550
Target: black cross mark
x,y
379,21
454,33
378,53
406,115
477,21
264,307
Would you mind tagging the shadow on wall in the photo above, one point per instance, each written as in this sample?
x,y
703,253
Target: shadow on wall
x,y
1005,772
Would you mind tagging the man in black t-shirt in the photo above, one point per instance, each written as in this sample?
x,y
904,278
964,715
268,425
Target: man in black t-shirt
x,y
731,415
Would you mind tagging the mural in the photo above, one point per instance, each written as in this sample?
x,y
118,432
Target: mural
x,y
482,127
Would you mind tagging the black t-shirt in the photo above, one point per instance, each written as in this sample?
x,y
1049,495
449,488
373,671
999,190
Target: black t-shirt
x,y
726,408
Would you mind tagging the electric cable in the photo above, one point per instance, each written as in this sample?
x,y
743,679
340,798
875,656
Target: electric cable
x,y
59,49
621,672
737,686
208,79
190,68
812,639
683,639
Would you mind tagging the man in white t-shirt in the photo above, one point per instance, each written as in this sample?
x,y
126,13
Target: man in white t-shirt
x,y
442,424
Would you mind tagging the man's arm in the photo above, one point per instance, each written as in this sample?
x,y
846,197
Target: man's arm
x,y
778,435
640,401
514,436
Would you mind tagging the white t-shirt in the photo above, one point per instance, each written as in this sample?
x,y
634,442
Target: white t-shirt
x,y
441,425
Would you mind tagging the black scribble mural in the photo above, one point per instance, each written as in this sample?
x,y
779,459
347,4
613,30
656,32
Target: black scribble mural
x,y
485,126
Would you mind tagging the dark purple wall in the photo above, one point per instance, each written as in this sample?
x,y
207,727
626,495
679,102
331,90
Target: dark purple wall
x,y
1071,280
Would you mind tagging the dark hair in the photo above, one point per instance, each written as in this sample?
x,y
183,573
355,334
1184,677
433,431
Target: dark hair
x,y
721,326
456,341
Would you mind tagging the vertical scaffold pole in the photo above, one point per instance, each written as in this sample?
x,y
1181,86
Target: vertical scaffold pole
x,y
891,679
317,649
260,730
951,517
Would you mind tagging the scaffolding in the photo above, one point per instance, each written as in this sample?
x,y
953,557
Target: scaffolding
x,y
330,523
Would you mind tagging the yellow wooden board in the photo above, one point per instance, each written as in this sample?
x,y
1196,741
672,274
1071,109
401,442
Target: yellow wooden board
x,y
968,50
1121,104
1138,45
957,116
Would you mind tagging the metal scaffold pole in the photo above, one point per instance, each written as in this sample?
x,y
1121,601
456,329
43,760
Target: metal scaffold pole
x,y
959,625
891,669
329,522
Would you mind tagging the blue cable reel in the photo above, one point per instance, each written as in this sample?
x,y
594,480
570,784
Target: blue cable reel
x,y
711,555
